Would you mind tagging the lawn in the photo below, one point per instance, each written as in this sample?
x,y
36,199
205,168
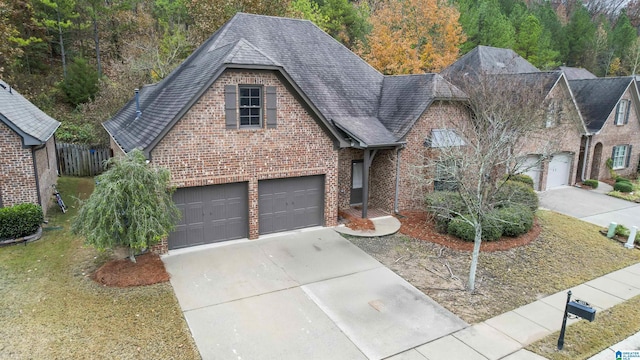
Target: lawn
x,y
631,196
51,309
567,252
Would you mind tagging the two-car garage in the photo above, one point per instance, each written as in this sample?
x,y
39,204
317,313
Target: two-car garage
x,y
217,213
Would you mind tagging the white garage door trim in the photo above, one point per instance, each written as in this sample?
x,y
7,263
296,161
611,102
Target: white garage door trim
x,y
559,169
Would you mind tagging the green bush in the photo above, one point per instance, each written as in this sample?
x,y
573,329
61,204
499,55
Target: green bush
x,y
515,192
592,183
523,178
444,205
20,220
81,84
491,229
624,232
621,179
515,219
623,187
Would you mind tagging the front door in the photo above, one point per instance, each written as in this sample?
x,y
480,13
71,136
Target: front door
x,y
356,182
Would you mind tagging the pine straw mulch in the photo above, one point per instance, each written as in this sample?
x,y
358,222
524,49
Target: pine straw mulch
x,y
356,223
148,269
419,225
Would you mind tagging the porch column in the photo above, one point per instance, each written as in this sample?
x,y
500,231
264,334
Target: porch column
x,y
368,159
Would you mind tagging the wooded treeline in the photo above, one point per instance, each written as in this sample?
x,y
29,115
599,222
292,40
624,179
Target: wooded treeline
x,y
79,60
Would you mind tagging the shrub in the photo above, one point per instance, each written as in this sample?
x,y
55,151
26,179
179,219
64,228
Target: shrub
x,y
523,178
621,179
591,182
623,187
491,229
81,84
20,220
515,192
515,219
444,205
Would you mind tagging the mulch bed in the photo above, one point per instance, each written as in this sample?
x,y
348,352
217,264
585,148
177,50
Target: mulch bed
x,y
356,223
419,225
148,269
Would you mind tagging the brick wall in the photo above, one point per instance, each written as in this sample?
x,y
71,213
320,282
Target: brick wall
x,y
199,150
382,180
17,180
115,149
47,172
612,135
564,136
439,115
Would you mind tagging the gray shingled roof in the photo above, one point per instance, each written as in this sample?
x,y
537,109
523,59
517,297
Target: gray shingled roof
x,y
343,88
489,60
544,80
337,82
32,124
597,98
405,97
575,73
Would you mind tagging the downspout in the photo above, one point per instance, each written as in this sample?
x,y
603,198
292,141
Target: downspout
x,y
397,194
138,112
35,170
585,158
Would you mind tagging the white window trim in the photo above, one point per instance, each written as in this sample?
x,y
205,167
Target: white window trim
x,y
622,157
621,111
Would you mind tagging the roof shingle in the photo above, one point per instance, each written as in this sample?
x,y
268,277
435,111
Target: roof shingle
x,y
596,98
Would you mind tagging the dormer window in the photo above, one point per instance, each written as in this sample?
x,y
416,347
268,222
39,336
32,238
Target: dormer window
x,y
622,112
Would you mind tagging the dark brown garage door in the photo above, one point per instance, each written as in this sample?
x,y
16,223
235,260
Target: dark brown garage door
x,y
291,203
210,214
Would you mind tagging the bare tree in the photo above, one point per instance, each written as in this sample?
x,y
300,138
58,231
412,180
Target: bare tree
x,y
510,116
609,8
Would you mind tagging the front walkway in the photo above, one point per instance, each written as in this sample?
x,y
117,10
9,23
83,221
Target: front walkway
x,y
505,336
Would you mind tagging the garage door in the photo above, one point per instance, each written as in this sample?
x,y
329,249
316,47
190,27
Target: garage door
x,y
559,167
210,214
291,203
531,167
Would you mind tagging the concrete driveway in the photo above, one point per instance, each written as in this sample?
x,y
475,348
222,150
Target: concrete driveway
x,y
308,295
591,205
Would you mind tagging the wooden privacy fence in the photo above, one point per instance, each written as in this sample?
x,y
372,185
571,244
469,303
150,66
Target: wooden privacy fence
x,y
81,160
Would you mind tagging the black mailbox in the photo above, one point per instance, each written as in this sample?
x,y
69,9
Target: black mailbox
x,y
583,311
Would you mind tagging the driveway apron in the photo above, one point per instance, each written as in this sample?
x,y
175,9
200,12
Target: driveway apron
x,y
591,206
306,295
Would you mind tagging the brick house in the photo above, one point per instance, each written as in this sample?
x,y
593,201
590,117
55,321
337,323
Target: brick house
x,y
278,129
609,107
549,164
29,152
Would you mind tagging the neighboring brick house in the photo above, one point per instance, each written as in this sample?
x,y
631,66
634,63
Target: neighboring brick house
x,y
549,163
28,159
272,125
610,110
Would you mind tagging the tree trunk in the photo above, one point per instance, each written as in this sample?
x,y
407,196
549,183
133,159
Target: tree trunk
x,y
96,39
62,53
474,257
132,255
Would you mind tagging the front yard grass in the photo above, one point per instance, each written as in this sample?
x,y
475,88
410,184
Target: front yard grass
x,y
632,196
51,309
568,252
584,339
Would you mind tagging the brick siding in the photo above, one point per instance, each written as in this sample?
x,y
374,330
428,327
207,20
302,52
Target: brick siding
x,y
17,180
413,188
613,135
47,172
199,150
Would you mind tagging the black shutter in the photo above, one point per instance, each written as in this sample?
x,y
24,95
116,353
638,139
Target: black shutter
x,y
615,118
271,106
230,106
613,153
628,110
628,156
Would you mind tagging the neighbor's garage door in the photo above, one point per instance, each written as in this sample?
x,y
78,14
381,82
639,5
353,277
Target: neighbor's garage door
x,y
210,214
559,168
531,167
291,203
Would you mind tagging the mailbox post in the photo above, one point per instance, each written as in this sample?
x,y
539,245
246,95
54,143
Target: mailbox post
x,y
578,309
